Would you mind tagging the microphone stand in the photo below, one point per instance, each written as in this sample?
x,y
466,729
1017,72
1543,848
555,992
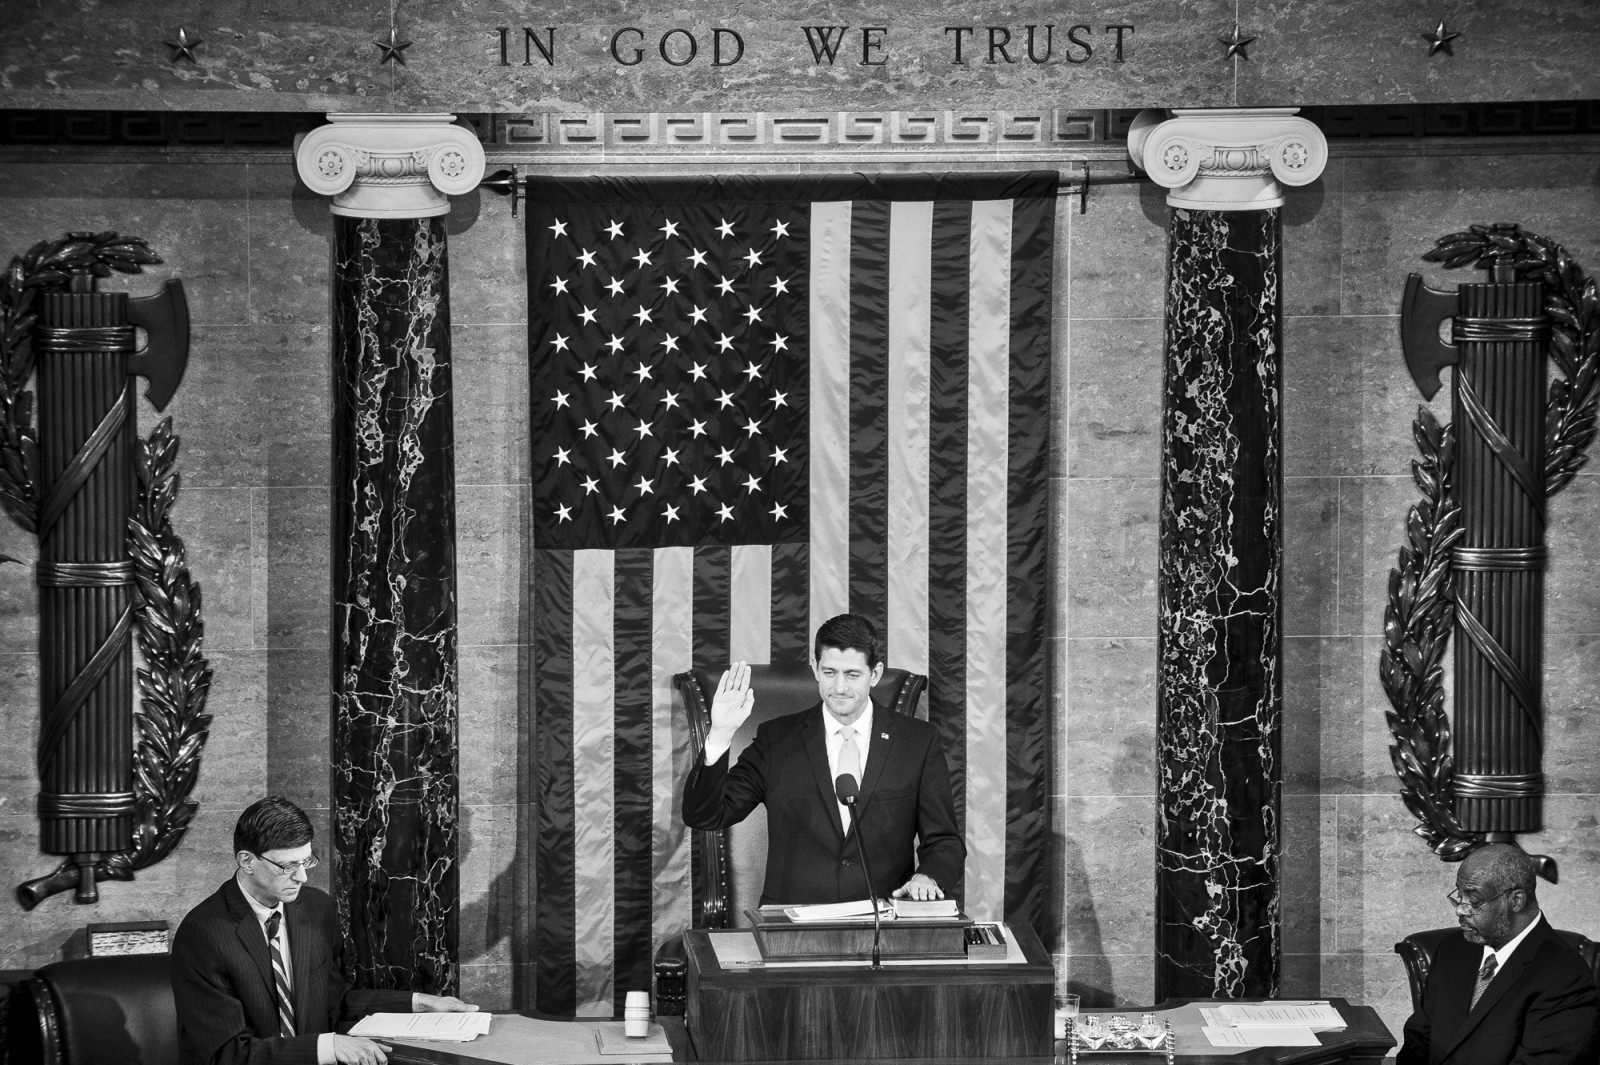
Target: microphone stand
x,y
849,792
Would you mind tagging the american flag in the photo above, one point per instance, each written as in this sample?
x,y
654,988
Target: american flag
x,y
757,403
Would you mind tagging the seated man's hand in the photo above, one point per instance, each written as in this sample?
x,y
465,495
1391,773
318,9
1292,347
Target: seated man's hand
x,y
442,1004
918,887
730,706
353,1050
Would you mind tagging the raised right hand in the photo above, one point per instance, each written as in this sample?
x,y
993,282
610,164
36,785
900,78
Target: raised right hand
x,y
353,1050
731,705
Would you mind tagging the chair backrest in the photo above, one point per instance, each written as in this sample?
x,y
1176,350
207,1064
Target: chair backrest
x,y
1418,948
106,1011
731,865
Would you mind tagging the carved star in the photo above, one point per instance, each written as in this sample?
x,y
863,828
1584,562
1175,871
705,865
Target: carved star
x,y
184,46
394,49
1439,40
1236,44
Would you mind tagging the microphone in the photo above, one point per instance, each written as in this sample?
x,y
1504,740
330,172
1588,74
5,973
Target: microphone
x,y
849,792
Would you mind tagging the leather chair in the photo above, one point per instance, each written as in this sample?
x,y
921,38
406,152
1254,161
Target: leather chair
x,y
105,1011
1418,948
729,866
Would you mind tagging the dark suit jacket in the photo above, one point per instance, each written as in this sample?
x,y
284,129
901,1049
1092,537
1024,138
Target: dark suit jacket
x,y
1540,1007
222,981
905,796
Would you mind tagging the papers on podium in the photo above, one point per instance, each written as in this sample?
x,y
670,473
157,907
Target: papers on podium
x,y
1270,1024
439,1027
888,910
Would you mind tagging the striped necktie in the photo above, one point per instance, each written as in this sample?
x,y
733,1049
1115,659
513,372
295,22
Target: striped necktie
x,y
280,976
1485,975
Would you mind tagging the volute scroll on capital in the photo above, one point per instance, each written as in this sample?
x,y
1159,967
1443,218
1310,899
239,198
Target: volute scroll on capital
x,y
390,166
1234,159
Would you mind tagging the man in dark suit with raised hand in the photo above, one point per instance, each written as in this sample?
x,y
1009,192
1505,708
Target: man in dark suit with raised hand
x,y
256,967
1506,989
792,766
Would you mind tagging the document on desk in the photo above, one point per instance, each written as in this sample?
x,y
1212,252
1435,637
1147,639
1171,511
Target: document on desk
x,y
434,1027
1320,1016
1262,1036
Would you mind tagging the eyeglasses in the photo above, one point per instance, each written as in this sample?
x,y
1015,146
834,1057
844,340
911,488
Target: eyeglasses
x,y
1458,901
290,868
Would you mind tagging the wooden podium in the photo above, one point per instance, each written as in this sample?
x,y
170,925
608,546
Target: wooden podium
x,y
808,1012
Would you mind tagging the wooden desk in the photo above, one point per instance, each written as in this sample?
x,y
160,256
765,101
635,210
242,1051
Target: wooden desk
x,y
932,1010
1364,1041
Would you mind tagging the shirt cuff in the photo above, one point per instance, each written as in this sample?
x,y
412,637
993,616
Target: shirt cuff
x,y
715,751
416,1001
325,1050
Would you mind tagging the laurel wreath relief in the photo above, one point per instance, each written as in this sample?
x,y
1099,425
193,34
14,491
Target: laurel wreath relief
x,y
1421,610
175,678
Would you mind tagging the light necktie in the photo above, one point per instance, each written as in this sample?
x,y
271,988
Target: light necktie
x,y
1485,975
280,976
849,762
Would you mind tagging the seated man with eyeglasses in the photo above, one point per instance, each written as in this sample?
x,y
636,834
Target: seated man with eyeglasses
x,y
1507,988
255,967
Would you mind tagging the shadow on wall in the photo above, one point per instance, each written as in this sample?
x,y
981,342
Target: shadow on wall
x,y
1089,968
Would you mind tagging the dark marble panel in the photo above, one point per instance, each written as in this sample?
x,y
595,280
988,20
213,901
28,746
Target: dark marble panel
x,y
1396,207
1114,398
1110,557
1310,554
1351,51
290,565
253,407
1219,686
1348,400
395,688
290,234
1110,717
1118,265
214,524
491,381
255,56
191,213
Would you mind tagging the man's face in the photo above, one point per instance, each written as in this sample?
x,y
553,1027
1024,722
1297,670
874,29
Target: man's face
x,y
1492,922
845,682
268,884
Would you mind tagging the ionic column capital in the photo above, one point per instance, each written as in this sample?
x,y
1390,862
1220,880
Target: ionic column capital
x,y
1228,159
389,166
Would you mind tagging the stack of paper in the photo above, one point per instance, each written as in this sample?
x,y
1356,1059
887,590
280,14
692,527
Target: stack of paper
x,y
1270,1024
442,1027
838,911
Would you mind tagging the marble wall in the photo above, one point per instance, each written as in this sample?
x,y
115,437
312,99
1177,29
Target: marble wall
x,y
253,250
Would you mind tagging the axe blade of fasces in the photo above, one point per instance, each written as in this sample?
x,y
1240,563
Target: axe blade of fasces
x,y
164,317
1421,310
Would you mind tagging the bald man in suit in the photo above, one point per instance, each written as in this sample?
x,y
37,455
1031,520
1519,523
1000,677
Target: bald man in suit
x,y
1506,989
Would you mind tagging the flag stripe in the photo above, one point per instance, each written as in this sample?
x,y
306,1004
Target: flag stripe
x,y
633,717
910,263
672,617
593,749
791,604
750,607
712,577
988,391
947,509
555,937
869,402
830,410
1028,725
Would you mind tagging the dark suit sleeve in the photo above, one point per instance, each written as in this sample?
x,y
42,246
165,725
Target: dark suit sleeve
x,y
941,852
1414,1040
1559,1027
715,796
211,1019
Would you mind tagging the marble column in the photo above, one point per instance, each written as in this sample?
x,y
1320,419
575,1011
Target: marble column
x,y
1219,633
394,680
